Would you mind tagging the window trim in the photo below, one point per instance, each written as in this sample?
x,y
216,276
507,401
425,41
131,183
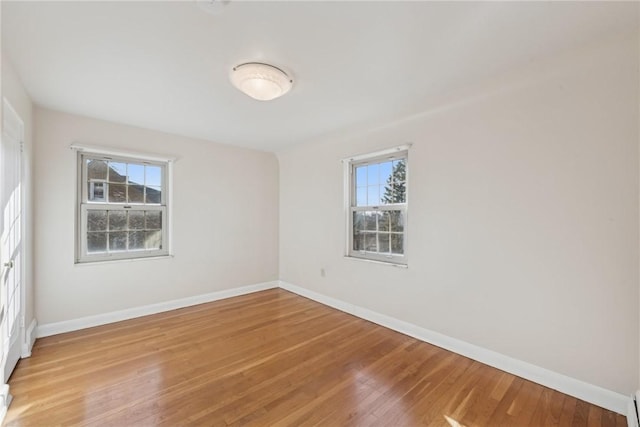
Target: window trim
x,y
83,204
350,164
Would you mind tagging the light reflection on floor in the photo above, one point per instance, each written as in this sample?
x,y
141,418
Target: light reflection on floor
x,y
16,411
452,422
380,387
101,397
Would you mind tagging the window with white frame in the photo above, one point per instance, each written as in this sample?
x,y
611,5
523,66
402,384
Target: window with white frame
x,y
122,208
377,214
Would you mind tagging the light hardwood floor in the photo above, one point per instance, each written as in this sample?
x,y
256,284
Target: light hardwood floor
x,y
272,358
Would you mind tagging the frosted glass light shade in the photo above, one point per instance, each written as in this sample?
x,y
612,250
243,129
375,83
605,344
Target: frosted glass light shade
x,y
261,81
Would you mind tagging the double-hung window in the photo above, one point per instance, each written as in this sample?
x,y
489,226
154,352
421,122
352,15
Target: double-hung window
x,y
122,209
377,215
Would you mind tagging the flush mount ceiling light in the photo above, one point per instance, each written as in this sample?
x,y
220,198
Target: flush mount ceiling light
x,y
263,82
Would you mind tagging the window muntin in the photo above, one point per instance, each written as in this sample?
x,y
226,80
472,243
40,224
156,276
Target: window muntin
x,y
378,207
122,209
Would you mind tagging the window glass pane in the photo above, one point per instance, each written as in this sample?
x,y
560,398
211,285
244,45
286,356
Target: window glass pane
x,y
96,220
358,241
370,243
387,194
97,191
154,220
154,194
117,193
136,240
135,174
153,175
396,219
393,188
370,221
397,244
117,220
383,243
135,193
358,220
96,169
117,241
373,177
383,221
399,170
136,220
153,239
394,193
117,172
361,176
385,172
373,195
361,196
399,191
96,242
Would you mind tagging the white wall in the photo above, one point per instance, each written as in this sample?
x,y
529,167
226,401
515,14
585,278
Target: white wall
x,y
13,90
523,216
225,221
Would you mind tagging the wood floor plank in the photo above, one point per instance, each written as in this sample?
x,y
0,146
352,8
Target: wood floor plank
x,y
581,414
547,409
467,412
568,411
271,358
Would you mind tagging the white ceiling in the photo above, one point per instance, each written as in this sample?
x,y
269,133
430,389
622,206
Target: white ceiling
x,y
165,65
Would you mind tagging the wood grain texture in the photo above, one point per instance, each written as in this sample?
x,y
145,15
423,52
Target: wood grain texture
x,y
272,358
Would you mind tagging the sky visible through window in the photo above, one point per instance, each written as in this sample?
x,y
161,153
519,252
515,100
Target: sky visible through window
x,y
136,173
374,181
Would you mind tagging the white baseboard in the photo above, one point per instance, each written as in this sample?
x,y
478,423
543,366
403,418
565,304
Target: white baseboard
x,y
588,392
130,313
29,339
632,412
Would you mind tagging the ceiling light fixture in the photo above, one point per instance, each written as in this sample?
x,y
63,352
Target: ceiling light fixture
x,y
263,82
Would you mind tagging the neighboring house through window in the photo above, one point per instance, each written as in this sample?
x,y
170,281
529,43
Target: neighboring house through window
x,y
122,208
377,214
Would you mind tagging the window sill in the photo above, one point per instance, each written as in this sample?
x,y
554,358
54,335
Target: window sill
x,y
373,261
118,261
